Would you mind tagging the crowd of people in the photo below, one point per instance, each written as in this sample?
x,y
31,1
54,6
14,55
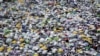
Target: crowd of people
x,y
49,28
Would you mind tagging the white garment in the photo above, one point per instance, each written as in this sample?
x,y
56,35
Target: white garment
x,y
1,0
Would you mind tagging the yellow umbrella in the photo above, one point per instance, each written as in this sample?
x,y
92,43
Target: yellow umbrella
x,y
1,48
9,49
88,39
36,54
79,51
21,1
60,50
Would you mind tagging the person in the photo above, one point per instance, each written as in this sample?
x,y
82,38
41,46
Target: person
x,y
7,0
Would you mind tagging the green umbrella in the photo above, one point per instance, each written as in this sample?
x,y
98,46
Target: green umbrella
x,y
98,31
14,9
6,31
27,41
98,15
56,38
87,47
